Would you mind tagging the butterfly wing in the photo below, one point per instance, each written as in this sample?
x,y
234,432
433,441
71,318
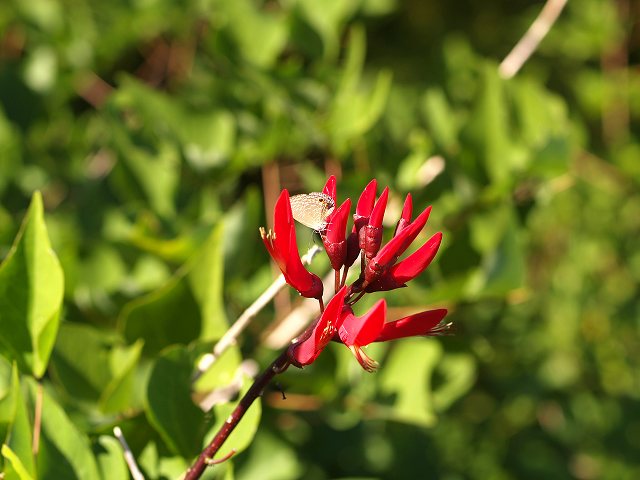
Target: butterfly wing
x,y
312,209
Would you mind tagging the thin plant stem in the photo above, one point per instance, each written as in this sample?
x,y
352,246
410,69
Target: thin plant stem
x,y
531,39
358,297
343,281
231,335
205,458
136,474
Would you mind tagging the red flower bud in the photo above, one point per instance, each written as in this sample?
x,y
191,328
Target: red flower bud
x,y
334,239
371,234
388,254
365,205
399,274
405,218
330,188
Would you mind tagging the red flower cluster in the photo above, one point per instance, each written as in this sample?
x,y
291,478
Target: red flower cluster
x,y
380,271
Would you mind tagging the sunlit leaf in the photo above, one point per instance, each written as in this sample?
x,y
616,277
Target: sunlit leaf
x,y
31,289
188,306
64,451
19,432
409,389
110,458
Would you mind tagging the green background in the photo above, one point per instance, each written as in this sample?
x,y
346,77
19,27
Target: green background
x,y
159,133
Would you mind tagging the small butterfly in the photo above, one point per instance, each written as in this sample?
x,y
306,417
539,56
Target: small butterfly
x,y
312,209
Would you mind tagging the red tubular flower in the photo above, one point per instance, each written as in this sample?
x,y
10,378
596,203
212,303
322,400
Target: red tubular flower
x,y
357,332
405,217
371,234
330,188
364,206
334,238
399,274
388,254
379,272
419,324
281,245
353,248
312,342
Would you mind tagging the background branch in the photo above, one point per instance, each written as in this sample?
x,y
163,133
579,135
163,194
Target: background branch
x,y
532,38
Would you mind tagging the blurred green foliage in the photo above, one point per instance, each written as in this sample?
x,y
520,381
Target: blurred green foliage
x,y
152,130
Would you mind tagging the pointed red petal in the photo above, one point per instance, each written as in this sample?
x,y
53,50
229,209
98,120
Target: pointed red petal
x,y
330,188
308,284
363,330
282,219
337,222
418,324
307,349
375,220
407,209
267,239
417,262
367,199
405,218
398,244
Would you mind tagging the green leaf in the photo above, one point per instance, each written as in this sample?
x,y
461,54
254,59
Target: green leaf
x,y
64,451
207,138
18,470
167,316
119,393
92,366
169,407
110,457
222,372
206,280
327,18
80,361
31,290
441,120
10,147
410,388
487,137
189,305
19,432
459,375
259,35
503,266
159,465
268,450
7,397
544,127
352,112
157,171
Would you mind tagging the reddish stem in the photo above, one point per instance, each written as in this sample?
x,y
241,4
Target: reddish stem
x,y
344,276
205,459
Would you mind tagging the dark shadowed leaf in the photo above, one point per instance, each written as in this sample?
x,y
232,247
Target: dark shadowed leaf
x,y
169,407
